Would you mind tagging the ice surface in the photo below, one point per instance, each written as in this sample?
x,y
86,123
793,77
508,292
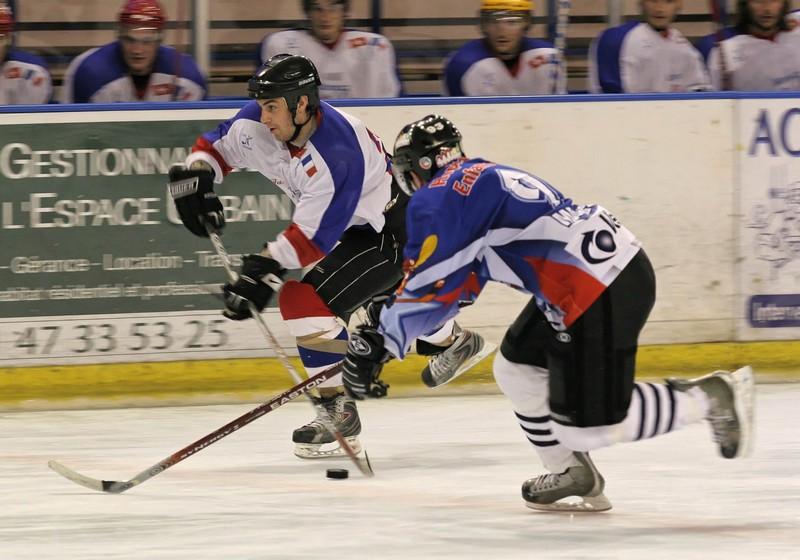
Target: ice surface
x,y
447,485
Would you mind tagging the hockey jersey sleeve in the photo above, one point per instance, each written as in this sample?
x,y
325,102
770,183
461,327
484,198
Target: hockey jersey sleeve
x,y
34,84
605,73
269,46
220,148
438,278
191,83
381,78
451,80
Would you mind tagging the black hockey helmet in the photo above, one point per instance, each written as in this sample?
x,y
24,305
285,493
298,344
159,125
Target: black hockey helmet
x,y
289,76
424,147
308,4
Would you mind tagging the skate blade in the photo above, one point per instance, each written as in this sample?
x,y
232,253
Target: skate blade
x,y
744,403
577,504
325,450
488,348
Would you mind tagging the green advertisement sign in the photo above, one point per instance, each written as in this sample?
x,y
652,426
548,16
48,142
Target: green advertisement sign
x,y
86,225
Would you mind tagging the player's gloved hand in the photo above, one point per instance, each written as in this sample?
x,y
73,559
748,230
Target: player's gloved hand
x,y
259,278
374,307
195,199
363,364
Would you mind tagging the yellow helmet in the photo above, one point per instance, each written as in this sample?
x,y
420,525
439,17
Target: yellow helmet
x,y
506,5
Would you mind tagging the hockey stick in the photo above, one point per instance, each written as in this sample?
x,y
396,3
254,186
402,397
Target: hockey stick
x,y
560,43
176,79
717,15
362,464
119,486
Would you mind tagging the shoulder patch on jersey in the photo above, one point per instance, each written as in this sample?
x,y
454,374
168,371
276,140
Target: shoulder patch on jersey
x,y
427,249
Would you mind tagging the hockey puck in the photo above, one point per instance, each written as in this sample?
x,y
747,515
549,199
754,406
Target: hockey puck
x,y
337,473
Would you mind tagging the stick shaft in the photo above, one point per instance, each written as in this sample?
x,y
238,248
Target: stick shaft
x,y
117,487
363,465
235,425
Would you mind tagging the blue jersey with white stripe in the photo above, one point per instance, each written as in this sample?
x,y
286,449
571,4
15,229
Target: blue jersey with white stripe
x,y
478,221
339,178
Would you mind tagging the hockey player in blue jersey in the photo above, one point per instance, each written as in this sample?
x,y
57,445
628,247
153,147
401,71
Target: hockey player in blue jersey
x,y
567,361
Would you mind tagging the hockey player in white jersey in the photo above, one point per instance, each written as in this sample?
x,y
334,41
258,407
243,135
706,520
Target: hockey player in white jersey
x,y
567,361
24,78
505,61
764,55
348,222
351,63
135,67
646,56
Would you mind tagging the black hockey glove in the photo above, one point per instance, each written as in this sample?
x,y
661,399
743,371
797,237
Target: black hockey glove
x,y
374,307
363,364
195,199
259,278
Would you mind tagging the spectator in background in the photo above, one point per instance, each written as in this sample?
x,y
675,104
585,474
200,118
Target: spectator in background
x,y
646,56
505,61
708,42
351,63
764,55
24,78
135,67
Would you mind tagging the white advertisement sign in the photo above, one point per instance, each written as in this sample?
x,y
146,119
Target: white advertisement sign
x,y
769,179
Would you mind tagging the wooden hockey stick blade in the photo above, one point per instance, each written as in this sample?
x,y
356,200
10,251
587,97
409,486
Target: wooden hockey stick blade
x,y
119,486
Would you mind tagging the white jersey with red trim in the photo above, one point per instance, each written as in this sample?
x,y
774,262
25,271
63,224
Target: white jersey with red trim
x,y
635,58
359,64
477,221
474,70
24,80
756,64
340,178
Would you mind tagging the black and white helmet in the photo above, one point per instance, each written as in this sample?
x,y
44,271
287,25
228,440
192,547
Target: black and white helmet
x,y
289,76
424,147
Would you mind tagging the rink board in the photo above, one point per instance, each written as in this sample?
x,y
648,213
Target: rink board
x,y
96,269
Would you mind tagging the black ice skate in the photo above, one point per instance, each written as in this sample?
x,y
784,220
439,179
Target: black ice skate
x,y
468,349
313,441
731,398
579,488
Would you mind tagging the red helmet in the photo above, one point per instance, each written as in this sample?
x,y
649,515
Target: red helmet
x,y
6,20
143,14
